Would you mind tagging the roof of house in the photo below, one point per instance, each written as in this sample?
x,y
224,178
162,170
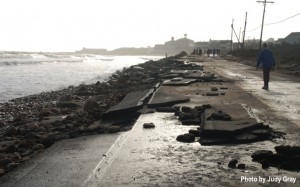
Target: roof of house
x,y
293,35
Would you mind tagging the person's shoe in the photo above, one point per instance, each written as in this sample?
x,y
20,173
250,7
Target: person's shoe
x,y
265,88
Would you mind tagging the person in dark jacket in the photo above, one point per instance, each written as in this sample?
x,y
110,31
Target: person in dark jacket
x,y
266,58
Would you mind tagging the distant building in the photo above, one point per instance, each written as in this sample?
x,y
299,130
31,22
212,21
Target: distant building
x,y
223,45
92,51
173,46
293,38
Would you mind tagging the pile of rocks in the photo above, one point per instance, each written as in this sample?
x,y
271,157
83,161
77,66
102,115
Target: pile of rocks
x,y
30,124
219,128
286,157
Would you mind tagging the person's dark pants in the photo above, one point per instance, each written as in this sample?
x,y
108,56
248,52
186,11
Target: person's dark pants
x,y
266,72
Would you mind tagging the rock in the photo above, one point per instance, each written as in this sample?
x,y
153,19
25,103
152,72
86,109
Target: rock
x,y
2,171
186,138
148,125
38,147
214,89
11,166
30,135
67,105
261,155
12,149
288,150
196,133
4,161
241,166
48,139
15,157
232,163
265,164
46,112
212,94
186,109
113,129
91,105
11,131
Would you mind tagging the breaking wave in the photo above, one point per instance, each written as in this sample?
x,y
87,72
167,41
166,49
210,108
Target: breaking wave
x,y
13,59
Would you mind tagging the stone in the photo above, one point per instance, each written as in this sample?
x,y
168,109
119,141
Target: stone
x,y
265,164
232,163
11,131
113,129
38,147
2,171
4,161
261,155
66,104
212,94
288,150
186,109
90,105
11,166
214,89
186,138
148,125
196,133
241,166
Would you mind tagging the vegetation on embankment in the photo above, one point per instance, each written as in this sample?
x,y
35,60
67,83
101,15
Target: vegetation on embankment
x,y
287,57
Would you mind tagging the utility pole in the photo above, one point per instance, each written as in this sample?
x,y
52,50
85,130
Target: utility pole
x,y
263,18
231,35
244,33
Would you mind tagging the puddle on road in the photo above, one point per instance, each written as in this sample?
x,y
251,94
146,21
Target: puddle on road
x,y
154,156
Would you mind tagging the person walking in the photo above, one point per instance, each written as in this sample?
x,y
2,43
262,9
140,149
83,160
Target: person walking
x,y
266,58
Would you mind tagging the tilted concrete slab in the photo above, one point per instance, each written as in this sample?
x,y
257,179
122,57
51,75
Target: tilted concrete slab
x,y
163,97
132,102
178,82
242,128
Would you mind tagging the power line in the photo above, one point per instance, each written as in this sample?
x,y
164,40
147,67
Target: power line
x,y
274,22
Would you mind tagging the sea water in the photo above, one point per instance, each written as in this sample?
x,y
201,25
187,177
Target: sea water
x,y
23,74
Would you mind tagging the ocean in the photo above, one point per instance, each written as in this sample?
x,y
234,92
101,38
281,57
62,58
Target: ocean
x,y
23,74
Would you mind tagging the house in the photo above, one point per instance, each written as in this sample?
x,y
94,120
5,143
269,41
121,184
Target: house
x,y
173,46
293,38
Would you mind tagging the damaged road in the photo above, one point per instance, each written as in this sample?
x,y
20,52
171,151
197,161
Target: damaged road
x,y
218,102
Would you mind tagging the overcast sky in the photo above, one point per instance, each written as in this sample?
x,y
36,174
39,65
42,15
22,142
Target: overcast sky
x,y
69,25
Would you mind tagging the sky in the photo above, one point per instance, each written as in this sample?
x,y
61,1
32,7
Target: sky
x,y
70,25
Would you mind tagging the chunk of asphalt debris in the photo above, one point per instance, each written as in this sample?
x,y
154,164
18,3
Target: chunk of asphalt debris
x,y
195,132
261,155
241,166
286,158
288,150
232,163
186,138
220,115
166,109
214,89
148,125
212,94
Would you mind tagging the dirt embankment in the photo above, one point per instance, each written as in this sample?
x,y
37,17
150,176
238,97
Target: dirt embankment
x,y
287,58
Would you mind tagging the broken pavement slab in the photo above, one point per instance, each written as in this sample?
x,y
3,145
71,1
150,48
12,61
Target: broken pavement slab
x,y
131,103
232,124
178,82
164,97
